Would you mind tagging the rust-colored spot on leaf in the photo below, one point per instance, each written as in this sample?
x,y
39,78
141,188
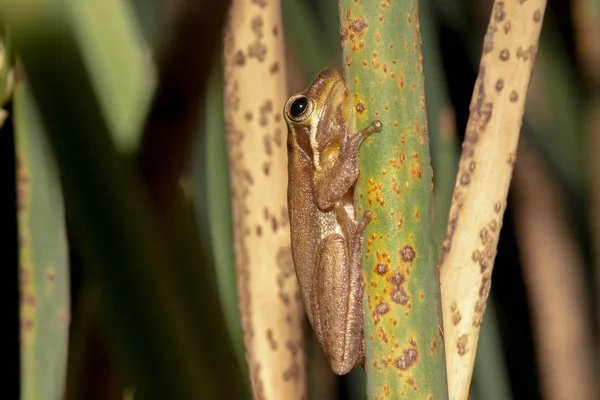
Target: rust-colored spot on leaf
x,y
382,335
407,360
397,278
401,80
396,188
360,107
399,222
381,269
433,346
399,296
408,253
382,308
343,33
376,188
359,25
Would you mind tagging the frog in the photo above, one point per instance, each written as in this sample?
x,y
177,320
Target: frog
x,y
326,233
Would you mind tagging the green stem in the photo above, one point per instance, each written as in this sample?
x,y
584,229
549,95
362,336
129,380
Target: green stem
x,y
403,323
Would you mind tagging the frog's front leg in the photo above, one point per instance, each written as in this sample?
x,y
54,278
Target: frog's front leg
x,y
331,183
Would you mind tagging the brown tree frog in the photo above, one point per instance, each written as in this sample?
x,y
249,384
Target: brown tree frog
x,y
326,234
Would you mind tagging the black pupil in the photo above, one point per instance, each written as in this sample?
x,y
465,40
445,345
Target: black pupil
x,y
298,107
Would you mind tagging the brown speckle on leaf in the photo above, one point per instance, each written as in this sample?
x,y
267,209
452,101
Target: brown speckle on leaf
x,y
488,40
240,59
262,120
512,158
257,50
50,274
456,317
260,3
271,340
343,33
358,25
399,296
527,54
514,96
537,16
483,265
274,224
480,306
382,308
499,13
417,214
407,360
360,107
381,269
484,236
461,345
407,253
500,85
498,207
504,54
465,179
256,25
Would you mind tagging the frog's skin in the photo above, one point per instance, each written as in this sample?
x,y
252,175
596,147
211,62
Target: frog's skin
x,y
325,233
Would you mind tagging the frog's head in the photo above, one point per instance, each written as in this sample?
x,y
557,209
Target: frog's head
x,y
315,116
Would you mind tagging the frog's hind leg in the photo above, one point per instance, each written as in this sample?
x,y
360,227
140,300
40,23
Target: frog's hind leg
x,y
338,295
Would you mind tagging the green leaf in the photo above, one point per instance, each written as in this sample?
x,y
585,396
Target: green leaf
x,y
43,257
119,62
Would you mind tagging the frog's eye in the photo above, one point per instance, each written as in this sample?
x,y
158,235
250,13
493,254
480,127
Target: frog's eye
x,y
299,108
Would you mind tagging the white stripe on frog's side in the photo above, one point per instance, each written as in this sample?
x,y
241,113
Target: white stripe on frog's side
x,y
313,136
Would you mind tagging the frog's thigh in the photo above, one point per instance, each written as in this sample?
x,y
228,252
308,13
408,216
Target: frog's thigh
x,y
331,284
